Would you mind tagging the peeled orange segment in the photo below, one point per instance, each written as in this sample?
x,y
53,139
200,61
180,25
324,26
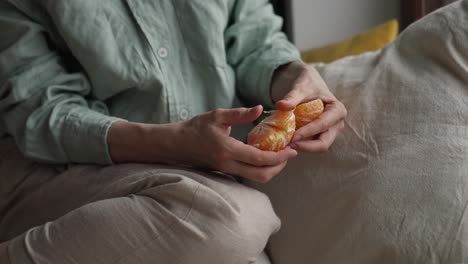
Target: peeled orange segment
x,y
274,133
308,112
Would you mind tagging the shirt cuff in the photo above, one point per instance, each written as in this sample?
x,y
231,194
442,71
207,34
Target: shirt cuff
x,y
265,81
258,77
84,137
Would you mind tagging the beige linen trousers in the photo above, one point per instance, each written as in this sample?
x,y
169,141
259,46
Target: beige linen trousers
x,y
131,213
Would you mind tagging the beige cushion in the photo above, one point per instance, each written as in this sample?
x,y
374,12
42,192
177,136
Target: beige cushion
x,y
394,186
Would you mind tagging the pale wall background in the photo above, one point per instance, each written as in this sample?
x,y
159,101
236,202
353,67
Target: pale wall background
x,y
320,22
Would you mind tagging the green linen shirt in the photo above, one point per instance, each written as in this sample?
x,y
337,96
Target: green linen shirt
x,y
69,68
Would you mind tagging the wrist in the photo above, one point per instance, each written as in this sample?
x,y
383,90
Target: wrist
x,y
138,142
284,78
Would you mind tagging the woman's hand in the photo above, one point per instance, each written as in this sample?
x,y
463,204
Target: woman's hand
x,y
203,141
298,83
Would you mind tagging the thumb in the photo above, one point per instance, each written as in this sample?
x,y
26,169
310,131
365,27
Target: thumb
x,y
290,101
237,116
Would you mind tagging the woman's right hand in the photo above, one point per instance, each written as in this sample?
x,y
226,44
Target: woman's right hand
x,y
202,141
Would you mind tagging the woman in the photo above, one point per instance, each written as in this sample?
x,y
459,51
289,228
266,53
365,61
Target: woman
x,y
106,82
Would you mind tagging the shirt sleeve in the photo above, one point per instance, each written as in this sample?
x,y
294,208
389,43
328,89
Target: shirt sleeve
x,y
256,47
47,109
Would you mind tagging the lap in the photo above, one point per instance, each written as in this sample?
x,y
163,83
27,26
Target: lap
x,y
33,194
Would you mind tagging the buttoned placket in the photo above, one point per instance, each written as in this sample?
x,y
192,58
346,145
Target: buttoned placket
x,y
158,37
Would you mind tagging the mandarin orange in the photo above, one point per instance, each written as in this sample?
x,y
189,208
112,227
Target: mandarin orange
x,y
274,133
308,112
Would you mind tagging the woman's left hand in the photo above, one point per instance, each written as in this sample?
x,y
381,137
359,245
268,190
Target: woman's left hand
x,y
298,83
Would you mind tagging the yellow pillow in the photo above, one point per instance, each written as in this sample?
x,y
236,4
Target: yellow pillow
x,y
374,39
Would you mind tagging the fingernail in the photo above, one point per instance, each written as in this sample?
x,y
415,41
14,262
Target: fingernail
x,y
252,109
293,146
296,138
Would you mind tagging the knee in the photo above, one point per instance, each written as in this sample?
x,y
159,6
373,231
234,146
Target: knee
x,y
238,224
223,221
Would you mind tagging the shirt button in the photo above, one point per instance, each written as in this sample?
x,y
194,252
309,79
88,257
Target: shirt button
x,y
162,52
183,114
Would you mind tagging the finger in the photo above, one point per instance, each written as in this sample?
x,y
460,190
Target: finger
x,y
258,174
256,157
292,99
237,116
322,144
301,94
334,113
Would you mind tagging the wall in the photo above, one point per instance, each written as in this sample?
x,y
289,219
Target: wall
x,y
320,22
